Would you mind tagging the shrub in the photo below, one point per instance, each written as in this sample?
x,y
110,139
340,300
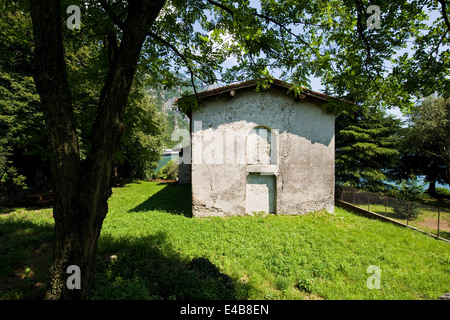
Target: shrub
x,y
12,186
443,191
167,172
410,192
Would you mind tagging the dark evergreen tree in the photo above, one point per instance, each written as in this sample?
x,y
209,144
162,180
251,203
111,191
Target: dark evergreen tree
x,y
366,149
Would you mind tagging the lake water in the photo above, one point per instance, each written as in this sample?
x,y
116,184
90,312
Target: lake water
x,y
425,184
438,185
163,161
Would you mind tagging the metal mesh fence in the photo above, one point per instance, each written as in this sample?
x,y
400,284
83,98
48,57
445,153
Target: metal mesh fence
x,y
431,219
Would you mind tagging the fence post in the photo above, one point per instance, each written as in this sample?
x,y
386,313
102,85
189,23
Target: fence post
x,y
439,218
385,205
368,201
407,217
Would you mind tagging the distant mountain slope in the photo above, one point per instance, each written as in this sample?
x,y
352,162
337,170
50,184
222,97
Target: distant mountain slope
x,y
174,118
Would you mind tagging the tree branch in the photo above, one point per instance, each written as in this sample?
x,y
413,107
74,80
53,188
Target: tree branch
x,y
447,22
221,6
282,26
444,13
110,12
360,28
179,54
112,46
368,46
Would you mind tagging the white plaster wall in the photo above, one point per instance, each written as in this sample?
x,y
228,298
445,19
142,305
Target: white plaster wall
x,y
302,162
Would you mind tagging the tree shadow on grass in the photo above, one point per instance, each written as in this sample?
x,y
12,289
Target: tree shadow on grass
x,y
149,268
173,198
25,258
127,268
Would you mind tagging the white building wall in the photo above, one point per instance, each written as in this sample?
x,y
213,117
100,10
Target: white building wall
x,y
298,154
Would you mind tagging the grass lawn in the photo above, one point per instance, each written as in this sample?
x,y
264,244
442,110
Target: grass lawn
x,y
151,249
426,220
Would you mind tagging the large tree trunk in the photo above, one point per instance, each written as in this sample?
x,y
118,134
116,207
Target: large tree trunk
x,y
447,152
432,187
81,193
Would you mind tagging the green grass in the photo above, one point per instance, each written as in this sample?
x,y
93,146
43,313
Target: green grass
x,y
25,237
150,248
426,220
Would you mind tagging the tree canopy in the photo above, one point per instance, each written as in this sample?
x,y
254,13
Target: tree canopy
x,y
425,147
406,57
23,136
22,133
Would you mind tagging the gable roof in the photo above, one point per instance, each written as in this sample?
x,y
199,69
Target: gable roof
x,y
253,83
188,103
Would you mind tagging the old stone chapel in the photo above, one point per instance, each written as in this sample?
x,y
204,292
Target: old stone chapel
x,y
259,151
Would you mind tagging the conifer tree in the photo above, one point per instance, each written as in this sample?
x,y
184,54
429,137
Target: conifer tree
x,y
366,149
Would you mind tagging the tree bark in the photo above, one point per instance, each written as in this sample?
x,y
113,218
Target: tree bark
x,y
447,152
432,187
82,192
